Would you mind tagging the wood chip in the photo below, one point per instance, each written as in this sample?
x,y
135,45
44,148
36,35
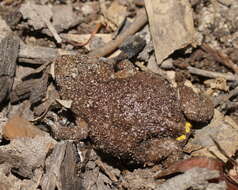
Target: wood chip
x,y
191,179
68,169
9,48
27,154
39,16
28,12
35,89
63,22
52,179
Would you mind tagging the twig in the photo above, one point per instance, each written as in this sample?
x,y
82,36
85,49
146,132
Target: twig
x,y
40,55
211,74
225,97
106,171
220,57
139,22
231,105
33,54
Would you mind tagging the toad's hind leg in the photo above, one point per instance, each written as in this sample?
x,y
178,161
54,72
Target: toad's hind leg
x,y
155,150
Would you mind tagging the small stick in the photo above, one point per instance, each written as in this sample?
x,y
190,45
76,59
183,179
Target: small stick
x,y
139,22
225,97
211,74
40,55
106,171
220,57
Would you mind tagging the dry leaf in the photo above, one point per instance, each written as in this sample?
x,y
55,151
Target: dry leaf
x,y
82,38
65,103
218,83
200,162
184,165
225,133
18,127
64,21
33,18
171,26
115,14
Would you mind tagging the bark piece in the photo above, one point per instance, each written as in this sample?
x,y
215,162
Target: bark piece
x,y
38,16
52,178
61,169
133,46
16,164
33,54
68,170
9,47
24,155
13,18
35,89
4,29
171,25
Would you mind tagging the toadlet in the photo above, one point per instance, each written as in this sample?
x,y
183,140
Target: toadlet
x,y
139,117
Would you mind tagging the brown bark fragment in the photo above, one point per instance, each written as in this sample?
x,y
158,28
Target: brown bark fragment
x,y
9,47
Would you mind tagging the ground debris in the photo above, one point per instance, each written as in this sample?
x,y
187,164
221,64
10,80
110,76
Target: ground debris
x,y
9,47
68,169
26,154
171,25
34,89
115,14
217,84
222,131
61,169
63,22
110,47
196,178
140,179
40,55
39,17
28,12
